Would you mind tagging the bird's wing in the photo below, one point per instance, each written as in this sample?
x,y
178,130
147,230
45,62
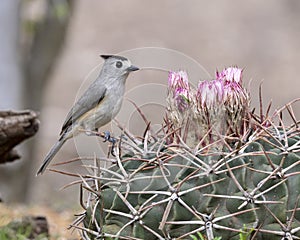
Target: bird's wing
x,y
90,99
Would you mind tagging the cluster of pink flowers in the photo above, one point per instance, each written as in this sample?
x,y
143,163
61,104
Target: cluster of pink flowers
x,y
215,108
225,89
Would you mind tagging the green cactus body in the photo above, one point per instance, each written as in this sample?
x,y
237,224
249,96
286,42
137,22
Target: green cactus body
x,y
223,180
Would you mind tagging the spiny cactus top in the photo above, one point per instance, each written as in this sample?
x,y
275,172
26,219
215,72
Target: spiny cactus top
x,y
215,169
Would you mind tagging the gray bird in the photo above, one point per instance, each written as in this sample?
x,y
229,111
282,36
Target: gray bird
x,y
98,105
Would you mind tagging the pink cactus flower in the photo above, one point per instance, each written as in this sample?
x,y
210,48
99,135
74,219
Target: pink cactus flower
x,y
180,89
178,79
182,99
226,89
210,93
232,74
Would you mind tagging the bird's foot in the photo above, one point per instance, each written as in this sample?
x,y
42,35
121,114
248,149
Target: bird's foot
x,y
108,138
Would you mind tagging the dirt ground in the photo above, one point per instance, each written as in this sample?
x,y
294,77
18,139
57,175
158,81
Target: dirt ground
x,y
58,220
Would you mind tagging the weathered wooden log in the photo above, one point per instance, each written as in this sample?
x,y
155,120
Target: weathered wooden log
x,y
15,127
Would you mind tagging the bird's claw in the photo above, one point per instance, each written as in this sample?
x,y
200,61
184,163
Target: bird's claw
x,y
108,138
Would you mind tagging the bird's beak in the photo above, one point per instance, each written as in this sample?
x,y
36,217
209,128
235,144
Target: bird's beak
x,y
132,68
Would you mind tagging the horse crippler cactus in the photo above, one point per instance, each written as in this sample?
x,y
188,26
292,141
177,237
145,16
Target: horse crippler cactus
x,y
214,169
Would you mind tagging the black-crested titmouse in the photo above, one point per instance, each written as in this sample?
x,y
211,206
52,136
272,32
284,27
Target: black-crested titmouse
x,y
99,104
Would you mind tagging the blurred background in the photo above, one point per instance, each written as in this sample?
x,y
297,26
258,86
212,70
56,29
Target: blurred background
x,y
50,53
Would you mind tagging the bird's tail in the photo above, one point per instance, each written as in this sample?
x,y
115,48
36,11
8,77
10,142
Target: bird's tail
x,y
55,148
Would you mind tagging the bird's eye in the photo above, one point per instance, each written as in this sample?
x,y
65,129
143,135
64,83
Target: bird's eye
x,y
119,64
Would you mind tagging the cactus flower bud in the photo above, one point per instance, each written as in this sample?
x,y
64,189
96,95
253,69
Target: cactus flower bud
x,y
178,80
179,99
232,74
179,89
210,93
182,99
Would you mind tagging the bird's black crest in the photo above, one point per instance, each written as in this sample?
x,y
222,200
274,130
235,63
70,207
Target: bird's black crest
x,y
113,56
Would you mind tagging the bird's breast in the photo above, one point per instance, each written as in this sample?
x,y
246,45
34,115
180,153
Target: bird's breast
x,y
104,112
